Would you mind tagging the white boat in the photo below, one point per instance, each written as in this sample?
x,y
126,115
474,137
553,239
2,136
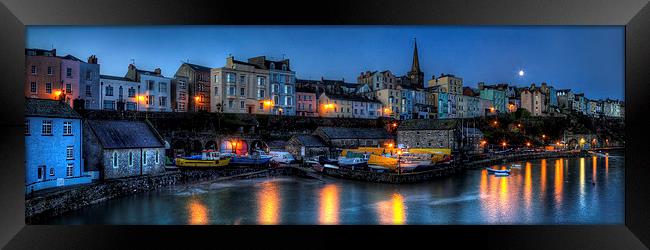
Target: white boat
x,y
330,166
501,174
515,165
494,171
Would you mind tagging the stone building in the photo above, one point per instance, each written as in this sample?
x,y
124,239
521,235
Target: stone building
x,y
428,134
354,137
53,145
197,83
120,149
564,99
306,146
533,101
415,76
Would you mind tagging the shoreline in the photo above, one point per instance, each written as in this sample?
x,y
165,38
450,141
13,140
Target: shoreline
x,y
51,203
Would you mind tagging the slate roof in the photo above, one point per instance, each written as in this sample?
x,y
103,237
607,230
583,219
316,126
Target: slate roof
x,y
49,108
72,58
246,63
355,133
198,67
115,78
125,134
310,140
428,124
355,98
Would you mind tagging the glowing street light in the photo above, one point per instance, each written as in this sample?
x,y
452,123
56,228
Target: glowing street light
x,y
527,144
504,145
394,124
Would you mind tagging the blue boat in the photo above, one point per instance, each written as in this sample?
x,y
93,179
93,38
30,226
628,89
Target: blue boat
x,y
257,158
492,171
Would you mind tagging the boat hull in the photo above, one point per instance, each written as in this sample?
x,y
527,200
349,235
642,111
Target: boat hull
x,y
249,161
192,163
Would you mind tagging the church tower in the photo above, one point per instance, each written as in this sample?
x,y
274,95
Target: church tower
x,y
416,76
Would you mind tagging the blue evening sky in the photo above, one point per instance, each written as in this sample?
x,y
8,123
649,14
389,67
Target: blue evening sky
x,y
587,59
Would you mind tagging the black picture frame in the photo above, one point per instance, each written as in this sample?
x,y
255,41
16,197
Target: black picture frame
x,y
633,14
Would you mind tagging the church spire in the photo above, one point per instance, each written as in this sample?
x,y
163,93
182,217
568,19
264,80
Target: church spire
x,y
415,67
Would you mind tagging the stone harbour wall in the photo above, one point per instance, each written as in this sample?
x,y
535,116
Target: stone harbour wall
x,y
52,203
392,178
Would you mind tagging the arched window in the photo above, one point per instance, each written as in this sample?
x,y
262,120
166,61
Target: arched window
x,y
157,157
144,157
130,158
115,159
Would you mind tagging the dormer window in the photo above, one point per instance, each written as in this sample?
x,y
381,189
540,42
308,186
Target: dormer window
x,y
284,67
272,66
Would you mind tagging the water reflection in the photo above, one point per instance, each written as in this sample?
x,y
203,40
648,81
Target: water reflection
x,y
329,205
593,168
392,211
268,198
198,212
559,181
528,186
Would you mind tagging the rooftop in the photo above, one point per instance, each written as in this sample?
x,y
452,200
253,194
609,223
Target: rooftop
x,y
114,134
49,108
310,140
428,124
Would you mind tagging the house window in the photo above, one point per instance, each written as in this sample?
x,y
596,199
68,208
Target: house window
x,y
47,128
67,128
242,91
120,93
88,75
144,157
276,99
242,79
130,158
272,66
49,70
230,78
230,104
89,91
216,90
32,87
276,88
109,90
131,92
26,127
151,99
288,101
287,89
115,160
68,72
150,85
181,96
33,70
261,106
241,104
284,67
260,93
68,88
260,81
51,171
130,106
109,104
69,152
68,170
231,90
157,156
48,87
162,101
162,87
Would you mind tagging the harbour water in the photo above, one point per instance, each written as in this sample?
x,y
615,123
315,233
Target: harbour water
x,y
586,190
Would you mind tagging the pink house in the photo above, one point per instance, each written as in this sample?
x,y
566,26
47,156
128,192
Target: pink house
x,y
70,78
306,104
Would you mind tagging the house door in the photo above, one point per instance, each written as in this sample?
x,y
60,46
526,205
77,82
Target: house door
x,y
250,109
41,173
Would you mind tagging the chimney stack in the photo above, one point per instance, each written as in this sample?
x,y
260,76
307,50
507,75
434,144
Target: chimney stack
x,y
92,59
157,71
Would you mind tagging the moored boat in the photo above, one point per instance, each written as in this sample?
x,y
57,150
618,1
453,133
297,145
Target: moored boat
x,y
207,159
502,174
494,171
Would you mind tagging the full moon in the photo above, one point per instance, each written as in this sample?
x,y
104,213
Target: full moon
x,y
521,73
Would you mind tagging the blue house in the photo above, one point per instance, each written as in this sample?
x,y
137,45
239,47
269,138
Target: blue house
x,y
53,145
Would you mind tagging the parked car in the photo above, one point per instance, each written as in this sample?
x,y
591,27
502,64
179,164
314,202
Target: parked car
x,y
282,157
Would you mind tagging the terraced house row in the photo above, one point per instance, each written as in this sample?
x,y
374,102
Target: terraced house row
x,y
264,85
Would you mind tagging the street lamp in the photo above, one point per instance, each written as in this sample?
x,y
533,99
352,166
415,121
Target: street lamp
x,y
504,145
